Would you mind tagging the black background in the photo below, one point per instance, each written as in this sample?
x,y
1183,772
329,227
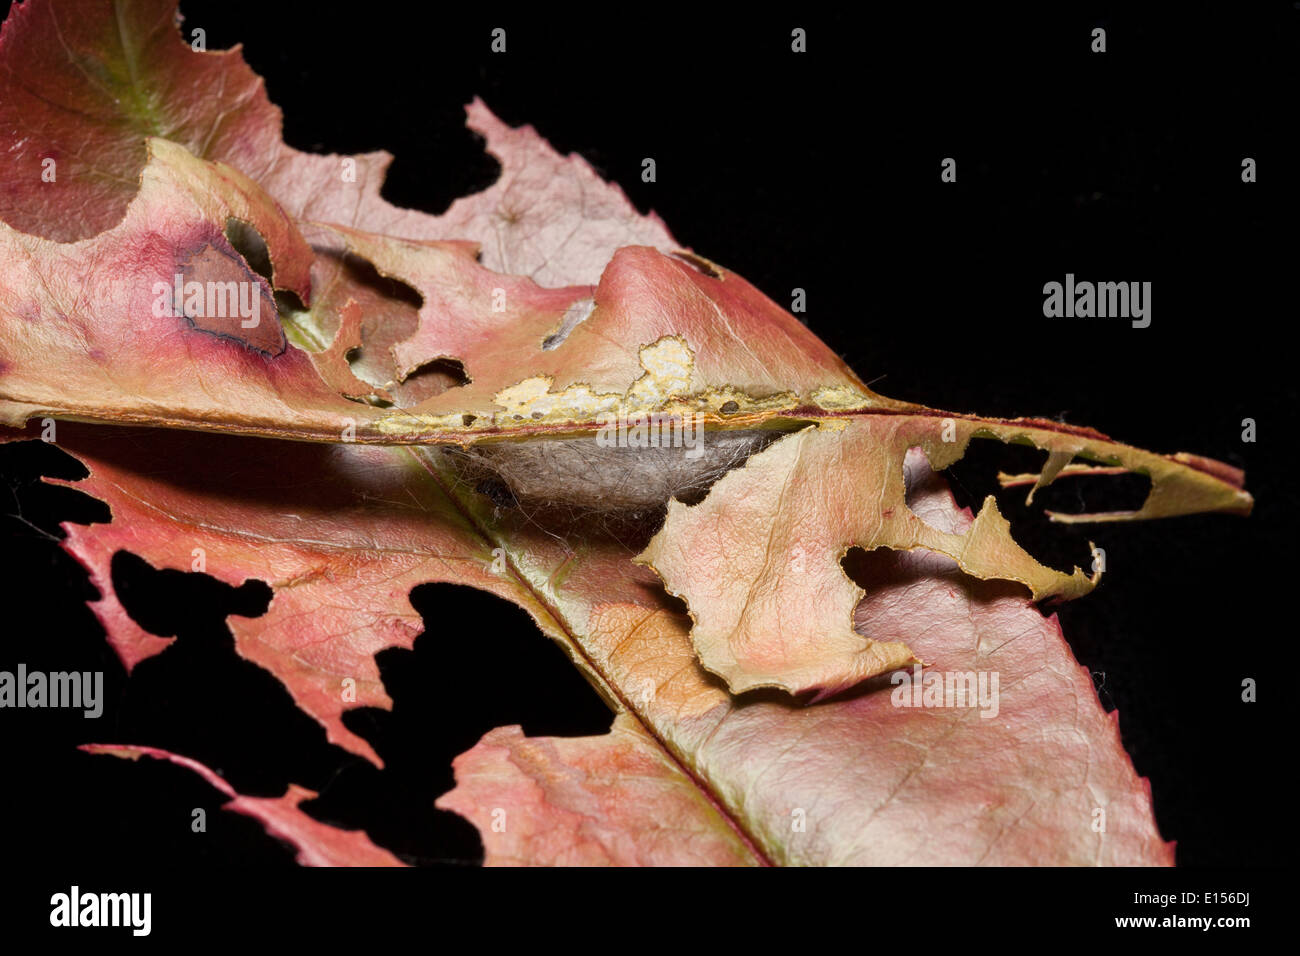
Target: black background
x,y
818,171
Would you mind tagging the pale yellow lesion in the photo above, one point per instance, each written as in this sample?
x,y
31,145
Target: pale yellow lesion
x,y
666,386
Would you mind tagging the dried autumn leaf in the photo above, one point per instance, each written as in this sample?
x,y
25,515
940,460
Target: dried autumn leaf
x,y
875,783
633,641
123,80
758,561
661,337
342,532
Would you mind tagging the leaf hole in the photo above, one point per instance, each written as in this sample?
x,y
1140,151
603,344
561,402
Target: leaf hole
x,y
448,690
1059,546
449,372
165,601
248,242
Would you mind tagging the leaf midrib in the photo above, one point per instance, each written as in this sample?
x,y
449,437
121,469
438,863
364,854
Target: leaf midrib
x,y
742,832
